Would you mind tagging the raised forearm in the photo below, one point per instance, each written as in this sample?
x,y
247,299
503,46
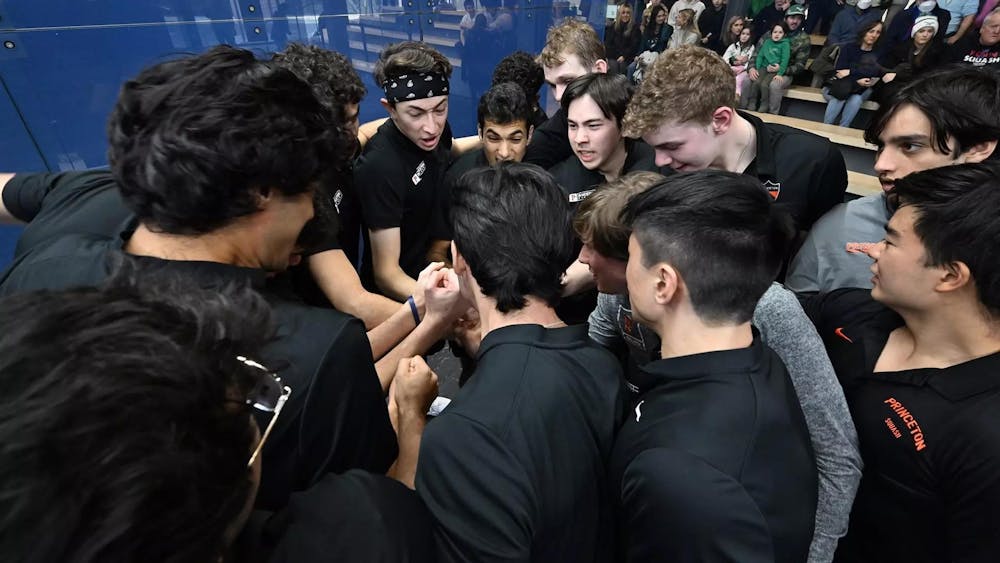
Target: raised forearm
x,y
429,331
409,430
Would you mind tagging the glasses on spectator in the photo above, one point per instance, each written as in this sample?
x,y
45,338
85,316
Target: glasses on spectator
x,y
268,395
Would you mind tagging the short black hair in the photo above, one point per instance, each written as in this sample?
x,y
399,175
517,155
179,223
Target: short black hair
x,y
721,231
959,101
957,220
503,104
521,69
125,436
331,75
512,226
611,92
195,141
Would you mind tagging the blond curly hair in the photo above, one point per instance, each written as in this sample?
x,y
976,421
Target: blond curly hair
x,y
683,85
571,37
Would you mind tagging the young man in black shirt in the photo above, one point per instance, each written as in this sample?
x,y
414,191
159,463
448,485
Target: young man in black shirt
x,y
571,50
595,105
173,425
714,462
922,378
514,468
504,129
201,207
685,110
400,174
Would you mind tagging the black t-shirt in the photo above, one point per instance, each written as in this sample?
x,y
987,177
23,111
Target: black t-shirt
x,y
461,165
969,51
930,439
354,517
550,143
714,463
578,182
335,419
804,173
514,468
401,185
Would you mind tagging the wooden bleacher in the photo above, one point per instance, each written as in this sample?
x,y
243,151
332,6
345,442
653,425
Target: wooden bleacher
x,y
817,40
809,94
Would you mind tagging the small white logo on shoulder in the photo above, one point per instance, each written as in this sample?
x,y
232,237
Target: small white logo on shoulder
x,y
418,175
579,196
638,413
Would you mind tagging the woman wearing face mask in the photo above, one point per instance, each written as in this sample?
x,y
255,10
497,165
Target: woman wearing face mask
x,y
899,29
912,58
857,71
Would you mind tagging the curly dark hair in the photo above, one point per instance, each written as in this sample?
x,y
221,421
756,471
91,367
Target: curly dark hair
x,y
195,141
331,75
122,418
521,69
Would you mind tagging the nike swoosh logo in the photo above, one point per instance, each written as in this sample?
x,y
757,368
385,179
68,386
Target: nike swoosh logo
x,y
638,413
840,332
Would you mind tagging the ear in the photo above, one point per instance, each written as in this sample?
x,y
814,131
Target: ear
x,y
667,283
601,66
388,107
955,276
980,151
459,265
264,197
722,119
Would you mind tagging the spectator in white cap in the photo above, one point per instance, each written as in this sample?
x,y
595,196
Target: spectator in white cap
x,y
912,58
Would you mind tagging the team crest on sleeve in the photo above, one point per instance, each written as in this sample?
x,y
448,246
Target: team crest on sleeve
x,y
773,188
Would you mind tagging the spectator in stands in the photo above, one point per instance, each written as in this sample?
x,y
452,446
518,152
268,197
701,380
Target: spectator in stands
x,y
772,60
710,24
514,468
685,31
621,40
174,201
595,106
782,324
770,16
821,15
850,21
697,6
947,117
571,50
855,75
732,32
982,51
468,20
799,47
684,110
403,165
328,275
738,56
922,377
963,14
911,59
747,493
503,118
521,69
657,32
902,23
183,353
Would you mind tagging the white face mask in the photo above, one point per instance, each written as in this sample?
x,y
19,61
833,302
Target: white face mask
x,y
927,6
864,4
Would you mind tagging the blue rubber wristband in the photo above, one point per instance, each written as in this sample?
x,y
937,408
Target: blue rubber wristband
x,y
413,309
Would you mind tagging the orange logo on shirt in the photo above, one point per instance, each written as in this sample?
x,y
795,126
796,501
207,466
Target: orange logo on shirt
x,y
908,420
840,332
859,247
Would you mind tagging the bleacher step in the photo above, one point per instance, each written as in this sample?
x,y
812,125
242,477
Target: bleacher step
x,y
845,136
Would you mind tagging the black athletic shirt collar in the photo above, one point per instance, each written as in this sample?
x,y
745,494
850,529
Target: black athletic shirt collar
x,y
764,165
534,334
696,366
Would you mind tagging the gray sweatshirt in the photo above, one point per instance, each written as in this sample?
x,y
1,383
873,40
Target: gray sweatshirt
x,y
787,330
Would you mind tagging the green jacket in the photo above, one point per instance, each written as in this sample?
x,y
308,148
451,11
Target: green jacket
x,y
774,52
799,47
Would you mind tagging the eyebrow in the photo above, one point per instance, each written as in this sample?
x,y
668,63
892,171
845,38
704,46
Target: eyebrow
x,y
490,131
890,232
423,110
909,139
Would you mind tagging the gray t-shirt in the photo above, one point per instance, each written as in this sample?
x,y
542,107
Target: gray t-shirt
x,y
833,255
786,329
